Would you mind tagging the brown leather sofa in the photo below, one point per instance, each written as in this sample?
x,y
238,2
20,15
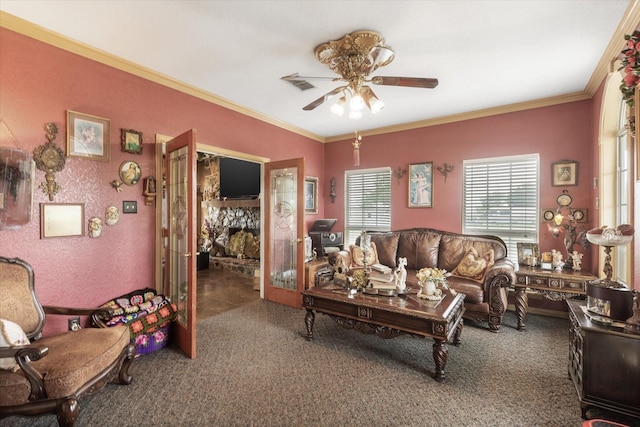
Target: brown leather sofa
x,y
486,297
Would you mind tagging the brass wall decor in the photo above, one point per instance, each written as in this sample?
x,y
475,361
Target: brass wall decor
x,y
49,158
444,170
332,187
399,173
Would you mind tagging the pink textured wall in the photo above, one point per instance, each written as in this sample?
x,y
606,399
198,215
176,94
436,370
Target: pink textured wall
x,y
556,133
39,84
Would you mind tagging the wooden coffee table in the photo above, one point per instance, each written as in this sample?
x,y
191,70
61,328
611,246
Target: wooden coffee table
x,y
389,317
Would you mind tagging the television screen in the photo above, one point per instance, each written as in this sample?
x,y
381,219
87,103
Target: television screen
x,y
239,179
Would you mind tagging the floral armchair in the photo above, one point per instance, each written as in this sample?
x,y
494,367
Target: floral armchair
x,y
51,374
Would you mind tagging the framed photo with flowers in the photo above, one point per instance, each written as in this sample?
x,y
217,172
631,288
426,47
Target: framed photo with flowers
x,y
131,141
87,136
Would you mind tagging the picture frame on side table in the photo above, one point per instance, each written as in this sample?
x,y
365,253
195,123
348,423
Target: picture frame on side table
x,y
61,220
421,185
88,137
131,141
311,195
528,254
564,173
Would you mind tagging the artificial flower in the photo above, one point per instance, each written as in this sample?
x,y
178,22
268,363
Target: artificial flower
x,y
437,275
630,67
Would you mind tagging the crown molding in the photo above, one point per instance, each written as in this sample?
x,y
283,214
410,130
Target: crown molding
x,y
52,38
627,25
504,109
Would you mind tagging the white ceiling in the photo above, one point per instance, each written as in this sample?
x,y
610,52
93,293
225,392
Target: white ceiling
x,y
484,53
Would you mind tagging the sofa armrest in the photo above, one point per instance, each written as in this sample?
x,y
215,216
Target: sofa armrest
x,y
502,274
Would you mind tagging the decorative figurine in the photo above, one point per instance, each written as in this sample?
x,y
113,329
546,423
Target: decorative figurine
x,y
400,274
577,260
95,227
557,260
111,215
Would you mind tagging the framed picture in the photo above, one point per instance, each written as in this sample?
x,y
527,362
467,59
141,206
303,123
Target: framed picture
x,y
88,136
528,254
131,141
564,173
310,195
61,220
130,172
2,202
421,185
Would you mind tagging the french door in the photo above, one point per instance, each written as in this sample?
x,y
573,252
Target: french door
x,y
180,169
284,217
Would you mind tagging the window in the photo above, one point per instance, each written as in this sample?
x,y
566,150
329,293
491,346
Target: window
x,y
623,177
500,198
368,202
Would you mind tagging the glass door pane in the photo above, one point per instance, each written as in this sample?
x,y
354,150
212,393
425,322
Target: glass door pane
x,y
283,260
178,228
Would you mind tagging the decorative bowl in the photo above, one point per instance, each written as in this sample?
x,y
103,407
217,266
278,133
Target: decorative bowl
x,y
606,239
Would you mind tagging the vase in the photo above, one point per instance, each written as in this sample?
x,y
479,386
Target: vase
x,y
429,290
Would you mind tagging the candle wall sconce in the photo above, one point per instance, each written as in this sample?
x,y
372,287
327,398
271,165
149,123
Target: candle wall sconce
x,y
445,169
332,186
149,192
399,173
49,158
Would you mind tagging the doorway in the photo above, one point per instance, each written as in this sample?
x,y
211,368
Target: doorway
x,y
225,278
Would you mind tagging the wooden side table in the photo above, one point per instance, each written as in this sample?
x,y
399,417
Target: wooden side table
x,y
553,285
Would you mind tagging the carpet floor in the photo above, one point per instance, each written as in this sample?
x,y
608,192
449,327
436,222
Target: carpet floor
x,y
255,368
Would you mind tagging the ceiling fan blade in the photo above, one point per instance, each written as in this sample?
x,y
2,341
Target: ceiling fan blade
x,y
405,81
324,98
296,77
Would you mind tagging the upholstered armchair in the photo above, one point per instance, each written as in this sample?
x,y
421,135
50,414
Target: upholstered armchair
x,y
51,374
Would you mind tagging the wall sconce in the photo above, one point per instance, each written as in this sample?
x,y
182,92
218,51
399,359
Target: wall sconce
x,y
332,186
149,192
399,173
445,169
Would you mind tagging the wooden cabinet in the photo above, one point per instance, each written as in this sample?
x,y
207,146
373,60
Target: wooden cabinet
x,y
604,364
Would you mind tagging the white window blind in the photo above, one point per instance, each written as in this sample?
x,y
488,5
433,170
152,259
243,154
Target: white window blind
x,y
501,199
368,202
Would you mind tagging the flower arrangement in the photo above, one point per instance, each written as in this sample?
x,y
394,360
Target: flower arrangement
x,y
437,275
630,67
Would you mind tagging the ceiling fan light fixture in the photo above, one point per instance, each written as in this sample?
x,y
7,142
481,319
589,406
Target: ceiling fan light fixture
x,y
356,103
338,107
373,102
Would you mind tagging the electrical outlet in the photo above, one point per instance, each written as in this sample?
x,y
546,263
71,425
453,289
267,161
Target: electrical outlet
x,y
74,323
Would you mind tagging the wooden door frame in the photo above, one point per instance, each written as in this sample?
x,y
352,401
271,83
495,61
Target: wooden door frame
x,y
160,232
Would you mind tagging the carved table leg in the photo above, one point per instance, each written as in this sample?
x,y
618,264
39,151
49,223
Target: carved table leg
x,y
308,320
456,337
440,356
522,304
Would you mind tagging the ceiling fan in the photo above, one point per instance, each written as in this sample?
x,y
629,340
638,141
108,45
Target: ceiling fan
x,y
354,57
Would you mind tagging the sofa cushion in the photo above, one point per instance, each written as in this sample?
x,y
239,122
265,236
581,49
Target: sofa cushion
x,y
387,247
420,248
454,247
358,259
474,266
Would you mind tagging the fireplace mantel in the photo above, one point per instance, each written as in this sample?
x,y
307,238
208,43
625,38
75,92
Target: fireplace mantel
x,y
237,203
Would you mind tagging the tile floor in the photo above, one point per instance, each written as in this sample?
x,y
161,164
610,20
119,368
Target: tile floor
x,y
222,290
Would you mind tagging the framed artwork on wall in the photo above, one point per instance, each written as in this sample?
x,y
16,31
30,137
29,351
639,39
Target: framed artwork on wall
x,y
130,172
311,195
131,141
61,220
88,136
421,185
564,173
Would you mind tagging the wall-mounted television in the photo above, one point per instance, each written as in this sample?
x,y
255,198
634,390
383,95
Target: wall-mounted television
x,y
239,179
